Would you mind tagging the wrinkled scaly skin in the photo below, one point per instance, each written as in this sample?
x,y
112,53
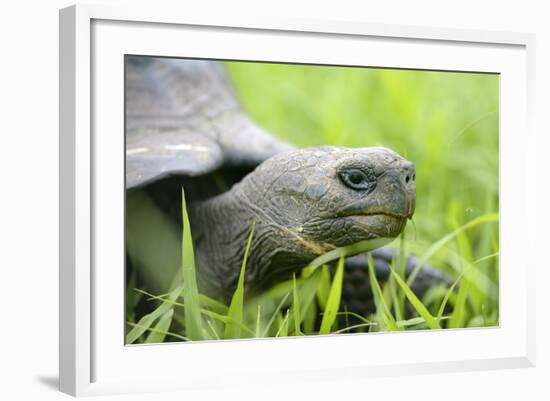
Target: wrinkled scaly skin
x,y
302,208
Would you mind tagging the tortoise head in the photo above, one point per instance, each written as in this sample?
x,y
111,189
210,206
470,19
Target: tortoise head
x,y
330,197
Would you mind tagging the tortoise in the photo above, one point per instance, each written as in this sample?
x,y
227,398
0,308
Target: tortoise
x,y
186,128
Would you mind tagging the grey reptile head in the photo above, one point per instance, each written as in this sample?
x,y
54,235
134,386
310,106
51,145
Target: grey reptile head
x,y
184,127
304,203
334,196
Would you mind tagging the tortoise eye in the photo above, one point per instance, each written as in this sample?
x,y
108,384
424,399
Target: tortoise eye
x,y
355,179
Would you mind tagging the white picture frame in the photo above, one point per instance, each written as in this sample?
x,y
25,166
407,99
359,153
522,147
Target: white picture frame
x,y
93,358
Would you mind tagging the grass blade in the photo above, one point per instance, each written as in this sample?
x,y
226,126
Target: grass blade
x,y
213,329
166,333
233,329
209,313
323,288
415,321
333,302
379,301
193,319
283,325
459,312
483,259
160,330
216,306
310,318
415,302
259,321
145,323
274,316
307,292
303,291
355,315
355,326
350,250
296,307
398,304
447,296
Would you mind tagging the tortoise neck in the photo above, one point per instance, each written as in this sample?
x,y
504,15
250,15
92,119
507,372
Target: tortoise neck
x,y
221,227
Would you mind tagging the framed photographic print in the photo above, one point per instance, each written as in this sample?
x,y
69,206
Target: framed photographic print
x,y
270,199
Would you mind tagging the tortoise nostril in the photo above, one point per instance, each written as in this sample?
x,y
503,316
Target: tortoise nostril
x,y
407,175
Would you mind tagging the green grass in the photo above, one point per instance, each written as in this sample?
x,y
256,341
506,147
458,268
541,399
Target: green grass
x,y
236,308
332,305
284,309
447,123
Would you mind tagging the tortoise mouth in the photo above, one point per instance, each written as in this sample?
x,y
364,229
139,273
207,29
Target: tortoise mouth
x,y
400,208
380,224
380,216
391,214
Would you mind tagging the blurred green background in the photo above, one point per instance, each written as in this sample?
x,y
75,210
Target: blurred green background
x,y
445,122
